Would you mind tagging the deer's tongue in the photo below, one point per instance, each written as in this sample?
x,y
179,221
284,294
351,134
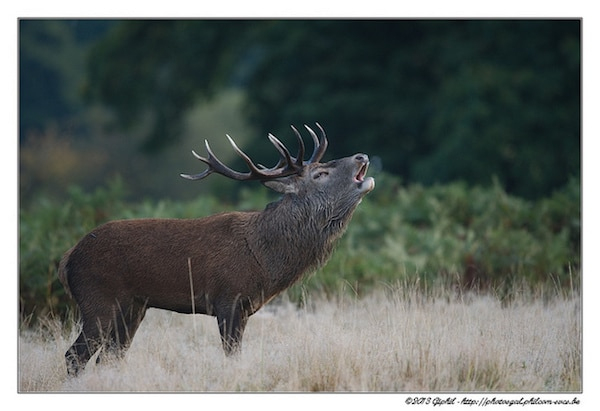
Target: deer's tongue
x,y
360,176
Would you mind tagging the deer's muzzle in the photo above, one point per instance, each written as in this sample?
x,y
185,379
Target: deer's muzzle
x,y
364,184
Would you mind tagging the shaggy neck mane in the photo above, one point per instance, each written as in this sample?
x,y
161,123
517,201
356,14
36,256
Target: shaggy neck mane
x,y
295,235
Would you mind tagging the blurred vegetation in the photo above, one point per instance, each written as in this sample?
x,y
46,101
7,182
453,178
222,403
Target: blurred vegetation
x,y
436,101
480,118
471,238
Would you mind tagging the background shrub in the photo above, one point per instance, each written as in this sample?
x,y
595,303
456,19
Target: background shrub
x,y
454,235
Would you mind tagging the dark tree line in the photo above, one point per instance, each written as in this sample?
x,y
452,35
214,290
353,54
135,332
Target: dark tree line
x,y
436,100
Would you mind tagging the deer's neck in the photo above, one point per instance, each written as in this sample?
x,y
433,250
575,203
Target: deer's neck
x,y
292,237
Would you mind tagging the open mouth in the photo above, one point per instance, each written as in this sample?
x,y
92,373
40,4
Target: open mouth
x,y
360,176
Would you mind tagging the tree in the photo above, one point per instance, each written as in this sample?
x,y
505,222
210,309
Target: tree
x,y
44,94
51,69
154,70
436,101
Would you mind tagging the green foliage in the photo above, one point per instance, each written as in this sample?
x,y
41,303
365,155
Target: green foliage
x,y
47,229
44,70
157,69
435,100
51,69
454,235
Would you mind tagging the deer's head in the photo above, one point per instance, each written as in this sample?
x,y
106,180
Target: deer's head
x,y
338,184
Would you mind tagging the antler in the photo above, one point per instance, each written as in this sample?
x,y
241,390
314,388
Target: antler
x,y
320,145
287,165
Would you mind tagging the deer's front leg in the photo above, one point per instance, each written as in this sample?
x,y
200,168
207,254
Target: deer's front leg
x,y
232,323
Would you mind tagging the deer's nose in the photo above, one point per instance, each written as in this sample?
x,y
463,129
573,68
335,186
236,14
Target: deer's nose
x,y
361,158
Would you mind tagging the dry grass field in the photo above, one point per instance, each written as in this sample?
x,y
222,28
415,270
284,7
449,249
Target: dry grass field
x,y
393,341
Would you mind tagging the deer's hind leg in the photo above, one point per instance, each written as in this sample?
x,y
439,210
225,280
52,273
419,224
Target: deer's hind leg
x,y
125,323
110,328
87,343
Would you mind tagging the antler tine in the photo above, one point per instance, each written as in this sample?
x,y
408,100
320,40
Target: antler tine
x,y
320,145
206,172
284,167
286,158
214,166
300,156
253,168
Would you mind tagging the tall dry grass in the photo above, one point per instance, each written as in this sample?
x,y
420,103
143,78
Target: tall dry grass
x,y
393,340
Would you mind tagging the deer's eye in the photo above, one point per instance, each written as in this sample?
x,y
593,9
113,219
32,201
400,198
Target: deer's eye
x,y
320,174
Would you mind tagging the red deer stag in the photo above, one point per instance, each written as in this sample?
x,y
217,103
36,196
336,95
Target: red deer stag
x,y
226,265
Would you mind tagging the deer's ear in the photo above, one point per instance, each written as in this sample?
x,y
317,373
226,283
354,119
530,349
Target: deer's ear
x,y
285,185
